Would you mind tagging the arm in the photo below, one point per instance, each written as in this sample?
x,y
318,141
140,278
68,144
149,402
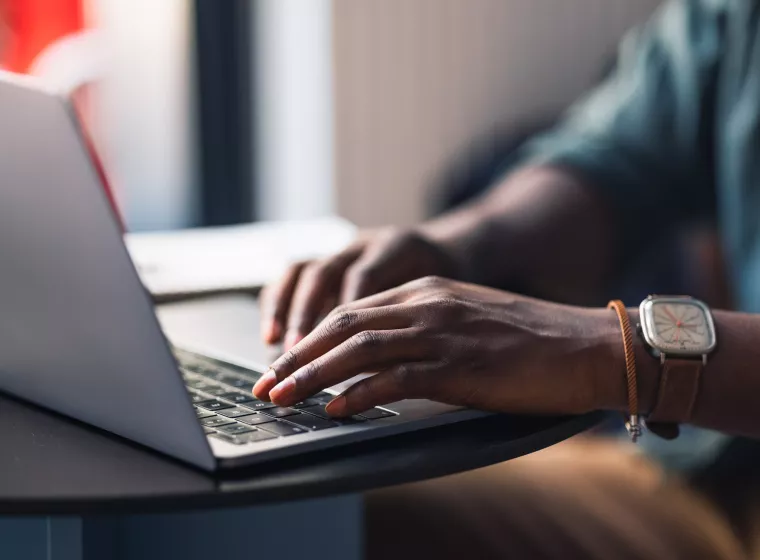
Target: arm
x,y
543,230
727,398
629,163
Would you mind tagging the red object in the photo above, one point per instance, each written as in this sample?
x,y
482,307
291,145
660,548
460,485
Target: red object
x,y
33,26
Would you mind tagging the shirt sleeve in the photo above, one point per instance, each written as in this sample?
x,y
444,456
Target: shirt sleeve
x,y
644,137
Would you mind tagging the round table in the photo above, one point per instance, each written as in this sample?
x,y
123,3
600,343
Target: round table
x,y
51,465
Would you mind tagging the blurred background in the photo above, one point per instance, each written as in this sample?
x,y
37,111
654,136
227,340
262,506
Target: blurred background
x,y
213,112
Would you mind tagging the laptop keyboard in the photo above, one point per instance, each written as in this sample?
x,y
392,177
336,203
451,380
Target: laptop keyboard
x,y
221,395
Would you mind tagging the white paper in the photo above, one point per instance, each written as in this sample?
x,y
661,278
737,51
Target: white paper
x,y
225,258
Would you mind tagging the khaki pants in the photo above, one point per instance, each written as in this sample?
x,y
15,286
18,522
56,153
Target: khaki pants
x,y
585,498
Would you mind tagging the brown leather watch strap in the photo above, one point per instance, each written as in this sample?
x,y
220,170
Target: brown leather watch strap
x,y
679,386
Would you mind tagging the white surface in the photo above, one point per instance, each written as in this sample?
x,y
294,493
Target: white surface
x,y
294,117
143,110
231,257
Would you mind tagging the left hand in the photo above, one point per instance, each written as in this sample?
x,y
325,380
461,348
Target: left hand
x,y
460,344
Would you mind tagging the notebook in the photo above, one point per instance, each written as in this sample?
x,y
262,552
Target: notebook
x,y
209,260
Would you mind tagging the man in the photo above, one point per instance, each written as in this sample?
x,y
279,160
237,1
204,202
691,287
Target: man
x,y
672,136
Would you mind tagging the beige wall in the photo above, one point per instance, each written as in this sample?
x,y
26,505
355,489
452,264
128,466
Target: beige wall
x,y
416,80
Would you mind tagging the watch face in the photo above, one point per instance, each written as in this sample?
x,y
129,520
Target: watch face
x,y
678,326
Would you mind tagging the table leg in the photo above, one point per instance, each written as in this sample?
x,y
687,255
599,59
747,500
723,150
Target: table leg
x,y
315,529
35,538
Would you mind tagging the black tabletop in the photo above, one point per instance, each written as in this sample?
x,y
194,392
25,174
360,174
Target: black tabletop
x,y
52,465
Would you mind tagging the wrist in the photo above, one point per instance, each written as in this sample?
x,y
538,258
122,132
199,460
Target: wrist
x,y
450,243
470,241
611,383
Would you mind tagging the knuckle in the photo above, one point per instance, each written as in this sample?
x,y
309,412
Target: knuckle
x,y
431,282
366,340
447,306
448,303
338,310
288,361
343,321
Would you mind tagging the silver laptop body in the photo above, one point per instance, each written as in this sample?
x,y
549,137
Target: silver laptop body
x,y
78,332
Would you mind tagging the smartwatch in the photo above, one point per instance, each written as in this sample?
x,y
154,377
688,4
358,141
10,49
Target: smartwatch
x,y
679,331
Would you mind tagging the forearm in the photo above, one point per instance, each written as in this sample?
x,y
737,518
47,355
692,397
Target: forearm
x,y
727,400
543,230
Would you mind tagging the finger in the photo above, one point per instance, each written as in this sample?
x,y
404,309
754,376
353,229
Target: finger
x,y
363,352
392,296
317,282
403,381
275,302
333,331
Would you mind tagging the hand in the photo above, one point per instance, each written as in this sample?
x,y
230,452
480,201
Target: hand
x,y
377,261
460,344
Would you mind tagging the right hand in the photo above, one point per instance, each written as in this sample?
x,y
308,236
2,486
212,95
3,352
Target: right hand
x,y
377,261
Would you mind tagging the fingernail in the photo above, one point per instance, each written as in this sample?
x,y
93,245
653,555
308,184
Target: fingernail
x,y
283,390
292,337
337,406
264,385
270,331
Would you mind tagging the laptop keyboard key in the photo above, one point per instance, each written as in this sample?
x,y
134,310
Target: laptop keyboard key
x,y
200,413
318,410
235,412
235,440
280,412
216,421
208,430
215,390
282,429
237,398
349,421
251,375
210,373
312,422
242,384
306,403
323,397
213,405
196,398
199,384
255,419
258,435
375,413
236,429
258,405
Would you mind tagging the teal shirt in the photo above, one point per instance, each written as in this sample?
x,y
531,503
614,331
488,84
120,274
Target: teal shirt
x,y
674,133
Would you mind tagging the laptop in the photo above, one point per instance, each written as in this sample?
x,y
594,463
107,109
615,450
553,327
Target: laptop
x,y
79,332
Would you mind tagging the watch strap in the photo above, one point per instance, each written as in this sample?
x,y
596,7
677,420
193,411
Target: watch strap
x,y
677,394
